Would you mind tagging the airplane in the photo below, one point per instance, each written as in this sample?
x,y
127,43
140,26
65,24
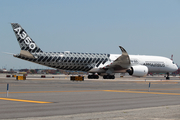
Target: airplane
x,y
95,64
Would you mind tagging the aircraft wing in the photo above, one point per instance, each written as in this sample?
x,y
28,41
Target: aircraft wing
x,y
122,62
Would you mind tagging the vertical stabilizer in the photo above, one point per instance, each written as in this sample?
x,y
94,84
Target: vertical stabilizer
x,y
25,42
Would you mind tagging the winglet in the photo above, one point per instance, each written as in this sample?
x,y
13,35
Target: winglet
x,y
123,60
124,57
122,49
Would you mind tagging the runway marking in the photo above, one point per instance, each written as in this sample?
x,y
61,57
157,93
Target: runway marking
x,y
142,92
123,91
154,82
153,89
52,91
20,100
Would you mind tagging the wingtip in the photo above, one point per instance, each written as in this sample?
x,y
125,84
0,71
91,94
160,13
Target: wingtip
x,y
122,49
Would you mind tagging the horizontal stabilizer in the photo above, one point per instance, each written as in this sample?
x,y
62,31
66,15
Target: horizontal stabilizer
x,y
26,54
8,53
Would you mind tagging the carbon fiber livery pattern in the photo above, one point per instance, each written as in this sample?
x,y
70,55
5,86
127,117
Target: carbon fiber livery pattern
x,y
24,40
60,60
68,60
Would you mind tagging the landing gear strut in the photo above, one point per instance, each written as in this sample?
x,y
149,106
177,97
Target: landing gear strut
x,y
167,76
109,77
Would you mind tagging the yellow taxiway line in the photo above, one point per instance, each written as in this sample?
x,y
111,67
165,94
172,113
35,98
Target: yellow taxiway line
x,y
152,89
142,92
20,100
42,102
122,91
153,82
52,91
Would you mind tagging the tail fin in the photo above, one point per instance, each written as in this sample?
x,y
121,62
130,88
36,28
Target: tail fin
x,y
25,42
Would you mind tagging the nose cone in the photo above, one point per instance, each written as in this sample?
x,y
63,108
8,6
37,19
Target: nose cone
x,y
174,68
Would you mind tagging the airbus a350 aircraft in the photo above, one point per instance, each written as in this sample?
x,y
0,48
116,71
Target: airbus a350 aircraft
x,y
95,63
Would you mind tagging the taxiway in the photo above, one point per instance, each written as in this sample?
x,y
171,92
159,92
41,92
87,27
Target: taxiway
x,y
60,98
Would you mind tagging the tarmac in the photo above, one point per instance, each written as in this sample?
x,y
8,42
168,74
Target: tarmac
x,y
56,97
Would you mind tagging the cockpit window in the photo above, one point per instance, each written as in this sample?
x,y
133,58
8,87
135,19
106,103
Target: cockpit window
x,y
173,62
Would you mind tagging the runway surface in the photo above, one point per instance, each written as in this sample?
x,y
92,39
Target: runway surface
x,y
60,98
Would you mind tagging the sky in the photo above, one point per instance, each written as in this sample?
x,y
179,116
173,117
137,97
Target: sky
x,y
142,27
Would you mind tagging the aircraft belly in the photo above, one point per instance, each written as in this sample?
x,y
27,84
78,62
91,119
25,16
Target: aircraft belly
x,y
120,71
97,70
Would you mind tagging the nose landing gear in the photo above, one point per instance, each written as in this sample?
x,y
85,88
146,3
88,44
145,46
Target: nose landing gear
x,y
167,76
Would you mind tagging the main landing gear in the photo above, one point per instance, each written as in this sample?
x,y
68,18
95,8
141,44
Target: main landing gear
x,y
104,77
109,77
93,77
96,76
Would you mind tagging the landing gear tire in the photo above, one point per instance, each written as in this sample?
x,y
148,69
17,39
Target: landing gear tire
x,y
108,77
93,77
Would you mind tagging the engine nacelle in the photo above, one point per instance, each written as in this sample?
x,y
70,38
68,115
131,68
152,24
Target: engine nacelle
x,y
138,71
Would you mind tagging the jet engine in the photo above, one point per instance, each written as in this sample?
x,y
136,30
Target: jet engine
x,y
138,71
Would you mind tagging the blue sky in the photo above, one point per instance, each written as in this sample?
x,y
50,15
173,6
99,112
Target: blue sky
x,y
145,27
